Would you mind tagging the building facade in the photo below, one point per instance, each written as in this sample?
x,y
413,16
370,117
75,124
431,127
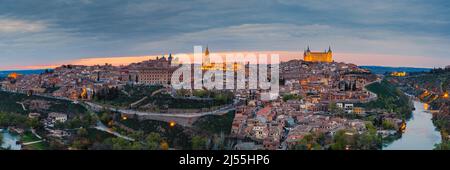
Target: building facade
x,y
326,56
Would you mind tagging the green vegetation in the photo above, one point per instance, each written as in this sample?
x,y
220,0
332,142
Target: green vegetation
x,y
445,145
442,121
388,125
87,138
30,137
176,137
68,107
130,94
389,98
369,140
182,103
215,124
342,140
9,104
332,107
153,141
209,99
86,120
291,97
12,119
199,143
124,97
313,141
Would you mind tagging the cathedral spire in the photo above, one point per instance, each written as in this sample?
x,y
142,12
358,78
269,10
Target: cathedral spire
x,y
329,48
307,50
170,57
207,51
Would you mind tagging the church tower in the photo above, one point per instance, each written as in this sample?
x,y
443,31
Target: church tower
x,y
170,58
206,59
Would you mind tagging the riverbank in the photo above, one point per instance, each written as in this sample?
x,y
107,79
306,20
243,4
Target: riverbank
x,y
420,133
10,140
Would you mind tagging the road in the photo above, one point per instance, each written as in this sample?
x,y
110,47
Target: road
x,y
220,111
30,143
373,96
103,128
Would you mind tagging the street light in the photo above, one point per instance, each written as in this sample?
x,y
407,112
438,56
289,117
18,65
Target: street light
x,y
172,124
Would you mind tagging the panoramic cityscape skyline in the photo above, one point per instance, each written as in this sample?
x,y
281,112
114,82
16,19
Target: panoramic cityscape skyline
x,y
361,59
55,32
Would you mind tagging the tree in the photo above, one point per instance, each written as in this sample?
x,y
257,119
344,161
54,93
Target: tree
x,y
105,117
198,143
77,144
311,142
120,144
136,146
388,125
138,135
153,141
33,123
291,97
82,132
341,140
444,145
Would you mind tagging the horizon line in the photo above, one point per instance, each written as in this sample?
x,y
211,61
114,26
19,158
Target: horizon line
x,y
360,59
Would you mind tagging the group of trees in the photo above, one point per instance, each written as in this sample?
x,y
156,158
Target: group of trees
x,y
388,125
107,93
218,95
215,124
445,144
440,70
153,141
314,141
199,143
391,99
368,140
292,97
86,120
342,140
18,120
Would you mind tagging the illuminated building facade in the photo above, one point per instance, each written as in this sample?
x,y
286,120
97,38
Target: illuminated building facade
x,y
326,56
398,74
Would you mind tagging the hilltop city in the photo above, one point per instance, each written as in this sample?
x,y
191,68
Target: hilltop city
x,y
322,104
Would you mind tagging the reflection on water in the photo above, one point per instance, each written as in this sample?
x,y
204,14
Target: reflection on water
x,y
9,140
425,106
420,134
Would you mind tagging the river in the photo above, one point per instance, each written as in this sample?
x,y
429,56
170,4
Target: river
x,y
9,140
420,134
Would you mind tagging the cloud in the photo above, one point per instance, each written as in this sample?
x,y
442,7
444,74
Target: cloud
x,y
366,42
8,25
62,30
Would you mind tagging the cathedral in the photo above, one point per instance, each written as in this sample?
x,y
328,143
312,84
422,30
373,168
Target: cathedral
x,y
208,65
326,56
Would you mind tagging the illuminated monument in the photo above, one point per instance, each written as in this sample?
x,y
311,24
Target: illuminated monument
x,y
326,56
209,65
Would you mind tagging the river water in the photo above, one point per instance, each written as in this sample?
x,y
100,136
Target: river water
x,y
420,134
9,140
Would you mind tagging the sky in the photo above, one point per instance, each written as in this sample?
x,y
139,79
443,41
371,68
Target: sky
x,y
35,34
